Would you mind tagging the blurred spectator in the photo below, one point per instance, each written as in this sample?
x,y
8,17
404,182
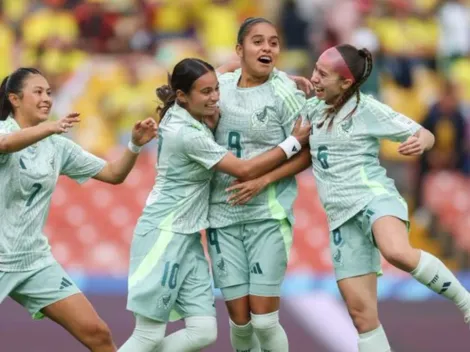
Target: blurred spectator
x,y
408,39
446,121
49,22
454,19
294,31
7,41
96,26
364,37
218,28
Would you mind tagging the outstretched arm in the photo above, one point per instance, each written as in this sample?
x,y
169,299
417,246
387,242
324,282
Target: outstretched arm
x,y
116,171
241,193
19,140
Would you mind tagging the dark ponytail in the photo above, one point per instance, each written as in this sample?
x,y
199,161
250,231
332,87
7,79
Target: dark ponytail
x,y
168,97
5,106
360,63
13,84
185,73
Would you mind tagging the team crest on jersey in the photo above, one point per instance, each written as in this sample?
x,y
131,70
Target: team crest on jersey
x,y
164,301
260,117
338,258
32,149
346,125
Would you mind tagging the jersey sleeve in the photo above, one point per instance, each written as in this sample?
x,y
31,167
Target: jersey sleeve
x,y
384,123
290,101
313,110
77,163
201,148
4,156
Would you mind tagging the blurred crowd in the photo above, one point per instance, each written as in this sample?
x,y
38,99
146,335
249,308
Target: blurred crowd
x,y
105,59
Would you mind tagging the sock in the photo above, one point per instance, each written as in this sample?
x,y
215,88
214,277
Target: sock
x,y
200,332
243,338
271,335
435,275
374,341
146,337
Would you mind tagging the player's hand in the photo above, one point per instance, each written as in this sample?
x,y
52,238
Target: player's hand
x,y
64,124
412,146
144,131
212,121
242,193
303,84
302,131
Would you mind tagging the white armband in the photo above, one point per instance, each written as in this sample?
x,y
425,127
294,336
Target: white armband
x,y
290,146
134,148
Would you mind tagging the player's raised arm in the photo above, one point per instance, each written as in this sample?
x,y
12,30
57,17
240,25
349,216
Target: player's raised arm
x,y
116,171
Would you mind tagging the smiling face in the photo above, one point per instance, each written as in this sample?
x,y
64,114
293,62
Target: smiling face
x,y
259,50
34,102
328,77
203,97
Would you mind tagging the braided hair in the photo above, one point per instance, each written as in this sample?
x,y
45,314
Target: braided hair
x,y
360,63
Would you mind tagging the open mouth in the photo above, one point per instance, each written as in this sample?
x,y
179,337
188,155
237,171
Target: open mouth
x,y
265,60
44,109
319,90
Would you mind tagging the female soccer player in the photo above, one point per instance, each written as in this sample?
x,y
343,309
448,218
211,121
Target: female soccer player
x,y
32,156
169,276
366,214
249,245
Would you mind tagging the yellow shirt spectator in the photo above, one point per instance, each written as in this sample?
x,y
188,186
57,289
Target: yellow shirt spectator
x,y
47,23
171,16
7,41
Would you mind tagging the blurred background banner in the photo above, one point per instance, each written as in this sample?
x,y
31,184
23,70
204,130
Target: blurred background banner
x,y
104,59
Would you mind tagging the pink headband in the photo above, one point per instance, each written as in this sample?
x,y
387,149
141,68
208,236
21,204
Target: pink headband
x,y
334,58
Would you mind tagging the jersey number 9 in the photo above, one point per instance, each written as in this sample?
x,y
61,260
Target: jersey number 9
x,y
322,156
234,143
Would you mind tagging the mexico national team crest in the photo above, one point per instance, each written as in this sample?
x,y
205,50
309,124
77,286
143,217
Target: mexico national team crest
x,y
164,301
346,125
260,117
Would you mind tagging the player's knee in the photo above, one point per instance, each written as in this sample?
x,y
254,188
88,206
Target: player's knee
x,y
96,334
264,323
364,318
202,331
400,257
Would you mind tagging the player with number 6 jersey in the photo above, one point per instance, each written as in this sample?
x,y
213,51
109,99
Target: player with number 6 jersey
x,y
366,214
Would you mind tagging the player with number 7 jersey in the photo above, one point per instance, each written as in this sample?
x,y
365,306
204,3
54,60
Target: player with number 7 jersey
x,y
33,155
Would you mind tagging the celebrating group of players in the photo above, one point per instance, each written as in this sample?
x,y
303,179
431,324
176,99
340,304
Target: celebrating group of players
x,y
230,142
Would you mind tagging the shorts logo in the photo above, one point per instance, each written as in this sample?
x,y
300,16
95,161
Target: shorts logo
x,y
65,283
164,301
338,258
256,269
221,267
